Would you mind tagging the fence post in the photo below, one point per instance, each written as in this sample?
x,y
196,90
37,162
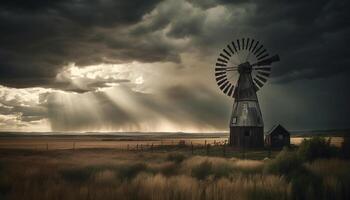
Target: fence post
x,y
208,146
152,148
192,148
137,147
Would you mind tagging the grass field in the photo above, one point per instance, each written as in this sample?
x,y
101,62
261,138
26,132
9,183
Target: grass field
x,y
167,171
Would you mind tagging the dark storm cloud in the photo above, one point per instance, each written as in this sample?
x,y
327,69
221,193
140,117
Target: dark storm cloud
x,y
311,36
86,12
38,37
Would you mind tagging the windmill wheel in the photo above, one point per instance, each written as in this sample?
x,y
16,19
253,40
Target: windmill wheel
x,y
238,52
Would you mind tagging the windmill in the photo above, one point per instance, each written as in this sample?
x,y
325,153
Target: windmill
x,y
242,68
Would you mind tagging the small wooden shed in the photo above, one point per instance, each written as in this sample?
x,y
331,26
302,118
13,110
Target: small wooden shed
x,y
277,137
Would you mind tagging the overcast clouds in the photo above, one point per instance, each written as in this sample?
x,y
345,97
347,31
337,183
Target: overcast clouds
x,y
148,65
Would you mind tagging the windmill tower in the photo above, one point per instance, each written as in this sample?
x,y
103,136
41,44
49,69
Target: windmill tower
x,y
242,68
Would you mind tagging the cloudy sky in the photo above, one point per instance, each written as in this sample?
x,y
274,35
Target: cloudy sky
x,y
121,65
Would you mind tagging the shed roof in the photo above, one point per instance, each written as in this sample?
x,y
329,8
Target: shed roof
x,y
275,127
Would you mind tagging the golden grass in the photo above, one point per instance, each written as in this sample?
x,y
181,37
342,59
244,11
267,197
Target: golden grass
x,y
93,175
184,187
152,176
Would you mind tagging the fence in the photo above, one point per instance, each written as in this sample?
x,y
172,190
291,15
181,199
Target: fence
x,y
215,147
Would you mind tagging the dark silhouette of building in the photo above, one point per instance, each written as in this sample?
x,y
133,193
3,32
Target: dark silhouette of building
x,y
246,126
277,137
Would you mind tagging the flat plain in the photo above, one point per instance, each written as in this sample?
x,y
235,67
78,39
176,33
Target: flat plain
x,y
158,167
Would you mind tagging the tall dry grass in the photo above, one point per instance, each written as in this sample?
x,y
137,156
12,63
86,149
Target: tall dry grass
x,y
335,177
138,177
150,176
185,187
156,186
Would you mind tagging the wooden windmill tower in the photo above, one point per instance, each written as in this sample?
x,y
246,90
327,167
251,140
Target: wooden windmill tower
x,y
242,68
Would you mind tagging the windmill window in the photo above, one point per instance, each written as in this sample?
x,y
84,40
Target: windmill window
x,y
234,120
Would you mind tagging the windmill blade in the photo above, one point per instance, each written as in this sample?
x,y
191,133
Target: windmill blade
x,y
226,88
219,73
223,85
231,50
251,44
231,90
261,53
246,47
230,70
234,46
243,44
234,68
222,81
267,74
223,56
267,61
222,60
256,44
258,82
239,45
256,51
263,56
217,69
234,93
218,78
220,65
228,54
261,78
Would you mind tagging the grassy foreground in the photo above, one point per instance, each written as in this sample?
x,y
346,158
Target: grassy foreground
x,y
110,174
